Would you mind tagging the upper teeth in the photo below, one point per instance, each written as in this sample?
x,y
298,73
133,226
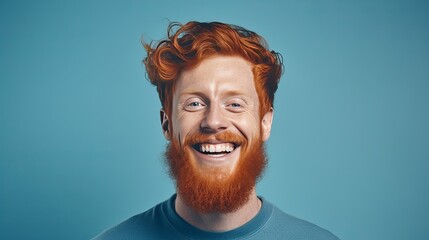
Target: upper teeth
x,y
221,147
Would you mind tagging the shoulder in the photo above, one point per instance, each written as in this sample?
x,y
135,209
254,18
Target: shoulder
x,y
141,226
285,226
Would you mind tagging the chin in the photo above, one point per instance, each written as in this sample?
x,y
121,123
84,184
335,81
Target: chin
x,y
216,184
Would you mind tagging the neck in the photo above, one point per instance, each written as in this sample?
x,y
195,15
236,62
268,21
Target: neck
x,y
219,222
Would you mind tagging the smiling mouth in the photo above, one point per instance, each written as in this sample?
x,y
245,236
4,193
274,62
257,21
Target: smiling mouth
x,y
215,148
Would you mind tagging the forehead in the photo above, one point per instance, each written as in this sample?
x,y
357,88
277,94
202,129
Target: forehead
x,y
218,74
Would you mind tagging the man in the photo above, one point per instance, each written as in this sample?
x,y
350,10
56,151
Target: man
x,y
216,83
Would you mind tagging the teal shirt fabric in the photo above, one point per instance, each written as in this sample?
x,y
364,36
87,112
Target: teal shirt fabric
x,y
162,222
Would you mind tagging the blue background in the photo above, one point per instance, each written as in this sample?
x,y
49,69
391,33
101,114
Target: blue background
x,y
80,138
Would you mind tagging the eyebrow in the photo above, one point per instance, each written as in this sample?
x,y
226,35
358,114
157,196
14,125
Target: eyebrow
x,y
202,94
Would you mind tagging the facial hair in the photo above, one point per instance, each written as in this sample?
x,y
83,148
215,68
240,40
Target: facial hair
x,y
215,189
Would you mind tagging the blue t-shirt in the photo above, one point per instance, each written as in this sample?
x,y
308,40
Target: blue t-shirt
x,y
162,222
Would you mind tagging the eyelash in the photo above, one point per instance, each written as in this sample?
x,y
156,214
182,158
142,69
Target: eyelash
x,y
235,105
196,105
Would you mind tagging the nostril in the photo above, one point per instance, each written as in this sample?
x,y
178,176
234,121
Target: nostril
x,y
213,127
214,121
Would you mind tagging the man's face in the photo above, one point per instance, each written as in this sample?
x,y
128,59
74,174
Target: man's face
x,y
216,124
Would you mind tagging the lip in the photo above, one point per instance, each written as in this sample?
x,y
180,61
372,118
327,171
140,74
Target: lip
x,y
217,159
222,147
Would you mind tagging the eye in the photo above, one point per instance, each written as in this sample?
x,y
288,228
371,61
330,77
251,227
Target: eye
x,y
235,105
194,105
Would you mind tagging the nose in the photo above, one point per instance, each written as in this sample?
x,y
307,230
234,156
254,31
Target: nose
x,y
214,120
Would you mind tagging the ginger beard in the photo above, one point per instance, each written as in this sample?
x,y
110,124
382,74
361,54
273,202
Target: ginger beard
x,y
216,189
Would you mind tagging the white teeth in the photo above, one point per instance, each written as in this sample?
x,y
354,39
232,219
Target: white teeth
x,y
228,149
217,148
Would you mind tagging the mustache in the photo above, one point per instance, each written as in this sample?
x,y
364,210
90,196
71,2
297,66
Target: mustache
x,y
223,136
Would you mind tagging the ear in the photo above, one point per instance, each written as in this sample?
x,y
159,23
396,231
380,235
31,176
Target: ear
x,y
165,124
266,122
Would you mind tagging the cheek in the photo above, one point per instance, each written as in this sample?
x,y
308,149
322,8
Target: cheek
x,y
248,125
184,125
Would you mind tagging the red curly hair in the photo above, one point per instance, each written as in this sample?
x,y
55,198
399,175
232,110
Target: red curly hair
x,y
187,45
